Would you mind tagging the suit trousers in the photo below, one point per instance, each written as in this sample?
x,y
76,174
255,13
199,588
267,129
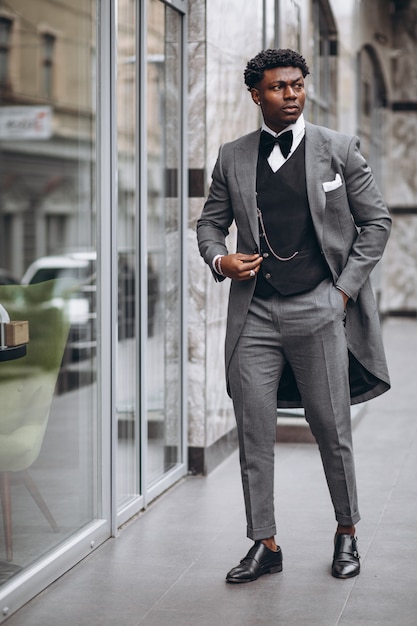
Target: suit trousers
x,y
307,331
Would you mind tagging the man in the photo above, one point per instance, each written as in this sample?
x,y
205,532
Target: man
x,y
302,325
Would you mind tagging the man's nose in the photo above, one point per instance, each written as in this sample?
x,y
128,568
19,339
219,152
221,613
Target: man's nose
x,y
289,92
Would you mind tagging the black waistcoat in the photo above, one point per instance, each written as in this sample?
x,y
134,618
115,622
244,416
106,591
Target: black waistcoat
x,y
286,230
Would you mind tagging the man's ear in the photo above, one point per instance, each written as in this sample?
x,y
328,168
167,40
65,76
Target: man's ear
x,y
255,96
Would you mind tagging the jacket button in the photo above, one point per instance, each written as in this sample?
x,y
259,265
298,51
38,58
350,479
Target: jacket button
x,y
268,275
265,255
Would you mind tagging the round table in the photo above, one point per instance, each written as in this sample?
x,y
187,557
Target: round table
x,y
12,352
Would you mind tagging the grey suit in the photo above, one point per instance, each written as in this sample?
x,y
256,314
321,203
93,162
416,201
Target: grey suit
x,y
352,226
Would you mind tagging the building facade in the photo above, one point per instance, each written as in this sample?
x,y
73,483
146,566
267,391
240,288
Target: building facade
x,y
111,116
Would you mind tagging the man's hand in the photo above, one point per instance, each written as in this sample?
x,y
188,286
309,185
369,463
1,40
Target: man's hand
x,y
240,266
345,298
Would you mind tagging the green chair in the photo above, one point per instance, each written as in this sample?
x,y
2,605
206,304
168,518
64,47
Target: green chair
x,y
27,387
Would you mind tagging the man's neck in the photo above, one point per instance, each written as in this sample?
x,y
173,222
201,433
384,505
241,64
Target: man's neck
x,y
296,127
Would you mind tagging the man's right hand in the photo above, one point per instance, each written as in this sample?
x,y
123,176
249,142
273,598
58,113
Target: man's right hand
x,y
240,266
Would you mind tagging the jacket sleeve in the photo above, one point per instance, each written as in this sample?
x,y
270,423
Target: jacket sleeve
x,y
216,218
371,218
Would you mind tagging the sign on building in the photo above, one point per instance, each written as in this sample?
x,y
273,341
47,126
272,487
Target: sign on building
x,y
25,122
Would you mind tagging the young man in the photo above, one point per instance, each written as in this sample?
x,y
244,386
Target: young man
x,y
302,325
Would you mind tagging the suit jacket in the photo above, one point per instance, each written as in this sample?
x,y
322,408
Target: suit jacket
x,y
352,225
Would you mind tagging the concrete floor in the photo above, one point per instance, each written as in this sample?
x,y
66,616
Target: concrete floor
x,y
167,567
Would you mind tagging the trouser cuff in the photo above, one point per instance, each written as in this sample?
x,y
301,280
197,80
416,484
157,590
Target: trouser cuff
x,y
345,520
257,534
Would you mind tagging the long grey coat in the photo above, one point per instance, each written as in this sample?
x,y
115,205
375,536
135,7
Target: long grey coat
x,y
352,225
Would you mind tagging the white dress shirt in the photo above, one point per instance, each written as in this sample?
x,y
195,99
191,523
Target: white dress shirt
x,y
276,159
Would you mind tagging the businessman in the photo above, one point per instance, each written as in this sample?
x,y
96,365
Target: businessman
x,y
302,327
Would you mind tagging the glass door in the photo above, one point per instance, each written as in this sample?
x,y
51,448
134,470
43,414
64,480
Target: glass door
x,y
50,446
164,254
128,263
150,243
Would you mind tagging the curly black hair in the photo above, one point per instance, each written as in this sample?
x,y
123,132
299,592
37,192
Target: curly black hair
x,y
268,59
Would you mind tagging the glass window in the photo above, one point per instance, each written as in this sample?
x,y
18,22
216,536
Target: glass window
x,y
270,28
5,29
48,50
127,375
292,21
371,110
163,367
322,92
149,345
48,411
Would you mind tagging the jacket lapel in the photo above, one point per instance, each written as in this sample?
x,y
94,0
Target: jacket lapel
x,y
246,159
318,166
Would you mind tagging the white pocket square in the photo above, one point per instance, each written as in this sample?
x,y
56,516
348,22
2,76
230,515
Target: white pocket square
x,y
332,184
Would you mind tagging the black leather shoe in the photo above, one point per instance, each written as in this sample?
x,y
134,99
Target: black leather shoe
x,y
258,561
346,557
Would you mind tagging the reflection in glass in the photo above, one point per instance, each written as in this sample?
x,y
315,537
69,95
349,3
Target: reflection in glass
x,y
47,239
48,45
164,244
127,346
5,29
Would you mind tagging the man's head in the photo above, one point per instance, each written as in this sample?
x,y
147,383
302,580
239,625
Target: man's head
x,y
275,79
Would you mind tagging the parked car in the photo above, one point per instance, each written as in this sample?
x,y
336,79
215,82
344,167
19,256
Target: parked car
x,y
81,268
79,271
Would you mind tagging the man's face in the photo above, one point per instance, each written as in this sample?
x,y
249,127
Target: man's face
x,y
281,96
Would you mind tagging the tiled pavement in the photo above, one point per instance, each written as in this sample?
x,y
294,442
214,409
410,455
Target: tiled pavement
x,y
167,568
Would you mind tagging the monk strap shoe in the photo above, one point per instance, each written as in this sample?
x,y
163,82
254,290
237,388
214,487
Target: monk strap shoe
x,y
346,557
258,561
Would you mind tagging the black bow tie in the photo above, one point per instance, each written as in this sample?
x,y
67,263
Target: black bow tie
x,y
268,141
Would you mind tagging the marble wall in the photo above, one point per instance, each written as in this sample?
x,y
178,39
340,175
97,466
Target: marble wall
x,y
400,294
220,109
197,276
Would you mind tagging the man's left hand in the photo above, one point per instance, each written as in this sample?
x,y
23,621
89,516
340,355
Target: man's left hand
x,y
345,298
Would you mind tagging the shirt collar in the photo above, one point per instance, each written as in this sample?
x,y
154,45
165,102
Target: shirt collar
x,y
297,128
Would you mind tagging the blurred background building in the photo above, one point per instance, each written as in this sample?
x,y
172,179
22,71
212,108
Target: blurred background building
x,y
111,116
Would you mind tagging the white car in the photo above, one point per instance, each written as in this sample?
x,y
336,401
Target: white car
x,y
79,268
